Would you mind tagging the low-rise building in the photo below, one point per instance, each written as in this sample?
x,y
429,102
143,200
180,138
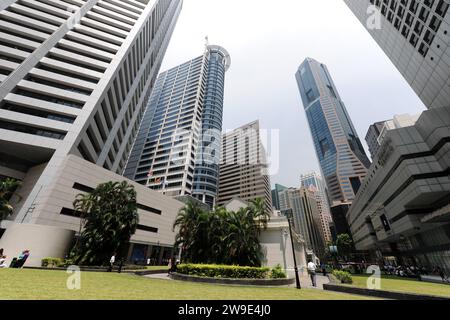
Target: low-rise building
x,y
51,232
402,208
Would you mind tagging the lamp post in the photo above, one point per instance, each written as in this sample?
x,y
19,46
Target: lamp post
x,y
289,215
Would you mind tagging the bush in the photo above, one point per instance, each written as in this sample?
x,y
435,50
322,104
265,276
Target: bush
x,y
222,271
343,276
278,272
54,262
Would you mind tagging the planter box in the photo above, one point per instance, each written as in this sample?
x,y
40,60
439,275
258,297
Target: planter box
x,y
245,282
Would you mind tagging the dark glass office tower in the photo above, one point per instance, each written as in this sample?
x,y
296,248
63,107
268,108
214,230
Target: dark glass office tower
x,y
177,150
341,155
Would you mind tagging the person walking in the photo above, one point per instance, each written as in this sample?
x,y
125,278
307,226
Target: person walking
x,y
442,274
312,272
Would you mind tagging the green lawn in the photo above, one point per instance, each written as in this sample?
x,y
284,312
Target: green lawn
x,y
42,284
406,285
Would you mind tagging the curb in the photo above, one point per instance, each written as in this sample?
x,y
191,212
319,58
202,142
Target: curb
x,y
229,281
381,293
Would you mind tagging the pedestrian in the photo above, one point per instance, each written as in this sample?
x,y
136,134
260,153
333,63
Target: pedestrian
x,y
1,252
312,272
22,258
442,274
3,262
111,262
120,266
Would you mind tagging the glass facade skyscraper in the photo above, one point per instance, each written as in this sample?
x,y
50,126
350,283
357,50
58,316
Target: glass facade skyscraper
x,y
341,155
206,174
177,150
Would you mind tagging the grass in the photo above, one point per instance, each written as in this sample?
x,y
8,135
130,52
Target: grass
x,y
23,284
391,283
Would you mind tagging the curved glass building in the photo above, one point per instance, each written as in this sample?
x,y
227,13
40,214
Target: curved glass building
x,y
177,150
206,175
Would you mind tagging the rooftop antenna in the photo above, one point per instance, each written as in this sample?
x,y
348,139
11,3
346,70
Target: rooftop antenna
x,y
206,43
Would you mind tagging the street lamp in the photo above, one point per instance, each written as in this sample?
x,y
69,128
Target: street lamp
x,y
289,215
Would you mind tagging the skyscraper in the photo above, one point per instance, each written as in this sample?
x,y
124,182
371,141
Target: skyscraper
x,y
306,216
416,37
275,197
314,183
177,150
75,78
341,155
243,168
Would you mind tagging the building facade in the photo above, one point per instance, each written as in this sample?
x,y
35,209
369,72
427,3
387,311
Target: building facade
x,y
378,130
372,137
74,81
177,150
314,182
306,214
243,168
415,36
339,150
403,208
275,197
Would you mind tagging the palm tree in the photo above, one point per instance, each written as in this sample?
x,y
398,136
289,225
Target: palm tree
x,y
7,188
221,236
190,222
258,210
109,218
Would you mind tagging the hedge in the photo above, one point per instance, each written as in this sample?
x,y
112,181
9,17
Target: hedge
x,y
343,276
55,262
222,271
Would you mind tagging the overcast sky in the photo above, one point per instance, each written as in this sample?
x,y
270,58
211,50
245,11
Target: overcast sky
x,y
267,41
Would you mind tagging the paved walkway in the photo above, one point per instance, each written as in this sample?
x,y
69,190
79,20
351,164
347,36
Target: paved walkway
x,y
160,276
305,281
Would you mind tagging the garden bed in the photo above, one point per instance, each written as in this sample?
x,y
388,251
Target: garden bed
x,y
230,281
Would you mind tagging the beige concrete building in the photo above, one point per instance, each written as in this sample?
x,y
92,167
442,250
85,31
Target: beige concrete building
x,y
50,230
243,167
75,79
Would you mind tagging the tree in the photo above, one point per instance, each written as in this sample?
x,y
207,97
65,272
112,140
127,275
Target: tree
x,y
7,189
344,245
108,219
221,236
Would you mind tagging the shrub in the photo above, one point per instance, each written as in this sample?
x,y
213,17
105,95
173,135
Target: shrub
x,y
54,262
223,271
343,276
278,272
